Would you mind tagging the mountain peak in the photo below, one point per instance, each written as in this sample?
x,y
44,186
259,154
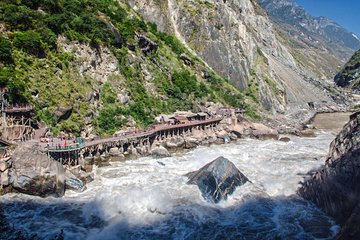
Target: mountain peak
x,y
289,13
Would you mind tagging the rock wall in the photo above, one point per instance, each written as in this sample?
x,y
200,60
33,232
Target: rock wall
x,y
237,40
98,63
349,76
335,188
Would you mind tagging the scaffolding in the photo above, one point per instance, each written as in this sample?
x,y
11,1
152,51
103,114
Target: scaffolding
x,y
15,123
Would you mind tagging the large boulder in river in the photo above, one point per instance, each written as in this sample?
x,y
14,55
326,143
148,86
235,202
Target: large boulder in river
x,y
217,179
35,174
335,187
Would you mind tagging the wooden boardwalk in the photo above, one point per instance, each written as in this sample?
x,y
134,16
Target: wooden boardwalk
x,y
21,109
73,152
133,135
151,131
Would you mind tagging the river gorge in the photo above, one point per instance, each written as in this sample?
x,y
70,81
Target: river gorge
x,y
149,199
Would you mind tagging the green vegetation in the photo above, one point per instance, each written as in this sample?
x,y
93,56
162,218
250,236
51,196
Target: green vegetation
x,y
111,114
36,71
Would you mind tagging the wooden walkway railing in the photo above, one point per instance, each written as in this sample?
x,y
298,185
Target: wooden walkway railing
x,y
67,148
130,135
151,131
18,109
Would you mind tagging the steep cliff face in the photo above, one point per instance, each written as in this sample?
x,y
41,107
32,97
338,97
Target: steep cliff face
x,y
237,40
113,70
349,76
335,187
96,66
318,44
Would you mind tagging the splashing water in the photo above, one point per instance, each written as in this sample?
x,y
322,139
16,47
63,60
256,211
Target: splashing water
x,y
149,198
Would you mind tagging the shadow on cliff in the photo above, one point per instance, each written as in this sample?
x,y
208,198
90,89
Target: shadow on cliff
x,y
255,218
336,190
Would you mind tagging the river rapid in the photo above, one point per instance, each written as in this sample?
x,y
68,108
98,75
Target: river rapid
x,y
149,198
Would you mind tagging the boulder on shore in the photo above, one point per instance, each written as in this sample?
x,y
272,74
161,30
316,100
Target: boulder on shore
x,y
217,179
191,142
35,174
160,152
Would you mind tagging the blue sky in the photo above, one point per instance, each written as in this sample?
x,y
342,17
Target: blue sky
x,y
344,12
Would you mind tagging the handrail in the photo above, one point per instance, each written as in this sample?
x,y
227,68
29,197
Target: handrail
x,y
13,108
151,131
128,135
70,147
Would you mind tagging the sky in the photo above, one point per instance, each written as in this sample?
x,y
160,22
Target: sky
x,y
344,12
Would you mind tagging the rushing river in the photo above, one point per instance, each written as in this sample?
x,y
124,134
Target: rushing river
x,y
149,198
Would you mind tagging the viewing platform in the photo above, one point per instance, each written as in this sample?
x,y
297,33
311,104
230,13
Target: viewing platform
x,y
66,147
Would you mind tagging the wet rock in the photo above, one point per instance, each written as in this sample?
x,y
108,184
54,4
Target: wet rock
x,y
351,228
86,177
35,174
73,183
334,188
161,163
284,139
217,179
160,152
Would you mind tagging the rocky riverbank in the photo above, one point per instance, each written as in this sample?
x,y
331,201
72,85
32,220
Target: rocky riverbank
x,y
334,187
30,171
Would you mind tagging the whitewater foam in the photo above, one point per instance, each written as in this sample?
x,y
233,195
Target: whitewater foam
x,y
142,199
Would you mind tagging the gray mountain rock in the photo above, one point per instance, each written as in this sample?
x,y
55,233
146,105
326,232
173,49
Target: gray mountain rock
x,y
349,76
322,31
238,40
35,174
